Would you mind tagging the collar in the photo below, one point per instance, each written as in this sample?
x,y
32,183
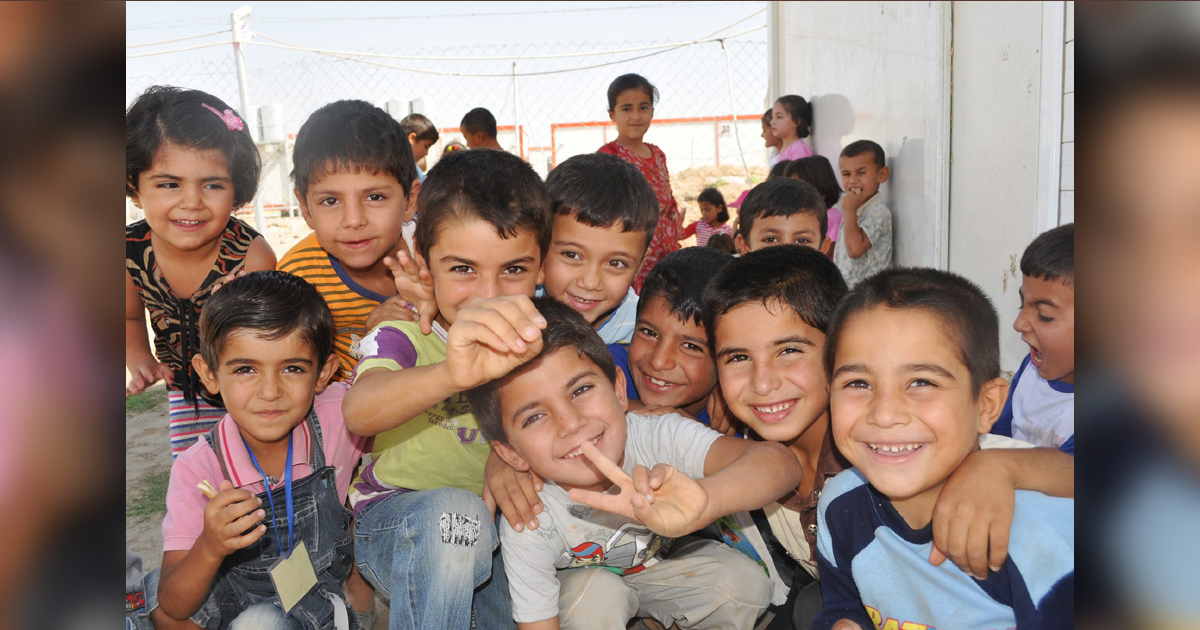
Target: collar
x,y
350,283
875,199
236,459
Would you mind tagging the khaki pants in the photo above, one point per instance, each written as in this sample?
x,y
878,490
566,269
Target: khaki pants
x,y
701,584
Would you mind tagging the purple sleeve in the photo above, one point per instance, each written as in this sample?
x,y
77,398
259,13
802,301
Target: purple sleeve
x,y
386,346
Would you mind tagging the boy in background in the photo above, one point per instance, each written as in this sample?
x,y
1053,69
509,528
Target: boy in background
x,y
266,346
781,211
424,537
421,135
479,129
864,242
357,185
1041,399
914,362
599,558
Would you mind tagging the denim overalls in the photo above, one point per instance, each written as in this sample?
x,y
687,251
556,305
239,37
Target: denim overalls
x,y
322,523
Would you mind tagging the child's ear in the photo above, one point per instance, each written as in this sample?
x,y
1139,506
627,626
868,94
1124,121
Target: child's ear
x,y
510,456
991,403
304,208
132,191
207,376
612,115
328,369
619,387
884,174
740,244
410,210
412,139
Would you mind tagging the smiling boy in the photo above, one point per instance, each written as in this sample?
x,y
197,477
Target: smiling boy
x,y
600,559
1041,399
914,363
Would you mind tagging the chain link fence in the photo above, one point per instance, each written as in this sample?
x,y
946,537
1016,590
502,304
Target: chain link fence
x,y
552,95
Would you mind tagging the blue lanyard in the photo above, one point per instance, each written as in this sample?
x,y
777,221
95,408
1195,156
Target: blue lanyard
x,y
287,492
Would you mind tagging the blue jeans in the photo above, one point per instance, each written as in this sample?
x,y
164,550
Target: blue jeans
x,y
431,554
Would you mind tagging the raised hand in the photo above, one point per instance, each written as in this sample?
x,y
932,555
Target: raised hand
x,y
513,492
414,284
146,374
667,501
230,520
490,338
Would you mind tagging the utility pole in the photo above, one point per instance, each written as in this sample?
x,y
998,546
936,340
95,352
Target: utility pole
x,y
516,114
237,23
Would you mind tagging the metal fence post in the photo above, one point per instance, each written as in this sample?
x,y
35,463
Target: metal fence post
x,y
237,22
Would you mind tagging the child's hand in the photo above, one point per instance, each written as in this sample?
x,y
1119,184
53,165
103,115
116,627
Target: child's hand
x,y
513,491
414,284
227,517
146,374
720,418
667,501
491,337
223,281
973,516
853,200
394,308
845,624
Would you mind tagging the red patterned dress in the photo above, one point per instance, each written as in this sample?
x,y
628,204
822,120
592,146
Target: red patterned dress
x,y
669,231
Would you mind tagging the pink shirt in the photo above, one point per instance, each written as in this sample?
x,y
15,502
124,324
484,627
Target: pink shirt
x,y
798,149
185,502
835,222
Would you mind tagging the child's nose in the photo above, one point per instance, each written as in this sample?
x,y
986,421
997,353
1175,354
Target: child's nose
x,y
269,387
355,214
1022,323
590,279
888,409
660,357
569,421
763,379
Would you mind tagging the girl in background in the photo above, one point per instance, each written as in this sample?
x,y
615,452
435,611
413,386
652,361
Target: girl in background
x,y
791,120
714,218
769,139
817,171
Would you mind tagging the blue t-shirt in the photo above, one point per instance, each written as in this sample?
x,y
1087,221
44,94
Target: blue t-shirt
x,y
875,569
618,328
1038,411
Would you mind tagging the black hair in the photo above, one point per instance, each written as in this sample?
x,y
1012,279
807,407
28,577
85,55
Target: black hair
x,y
421,126
565,328
766,118
167,114
859,147
723,242
477,120
273,304
817,170
492,186
627,82
601,190
781,197
1051,256
714,196
967,315
779,170
353,136
796,277
800,111
680,278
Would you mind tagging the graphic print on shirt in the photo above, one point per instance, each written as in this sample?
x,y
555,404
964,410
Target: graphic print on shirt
x,y
629,550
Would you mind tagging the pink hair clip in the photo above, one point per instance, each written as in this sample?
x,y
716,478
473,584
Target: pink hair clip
x,y
231,119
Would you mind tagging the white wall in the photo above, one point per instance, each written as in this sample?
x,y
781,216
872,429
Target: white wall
x,y
878,71
997,73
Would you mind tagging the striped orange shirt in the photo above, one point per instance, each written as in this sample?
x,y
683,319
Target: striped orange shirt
x,y
350,302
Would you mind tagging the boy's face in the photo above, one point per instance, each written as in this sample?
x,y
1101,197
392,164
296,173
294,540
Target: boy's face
x,y
903,409
268,385
802,228
669,359
590,268
859,173
553,405
470,261
632,113
358,216
187,195
771,371
1047,323
420,148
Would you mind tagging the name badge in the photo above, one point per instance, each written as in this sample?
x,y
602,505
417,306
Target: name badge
x,y
294,577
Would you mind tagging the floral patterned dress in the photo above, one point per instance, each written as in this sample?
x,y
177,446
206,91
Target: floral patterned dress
x,y
668,231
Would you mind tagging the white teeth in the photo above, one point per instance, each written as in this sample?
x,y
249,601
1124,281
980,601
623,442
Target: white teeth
x,y
658,382
894,448
579,451
189,222
774,408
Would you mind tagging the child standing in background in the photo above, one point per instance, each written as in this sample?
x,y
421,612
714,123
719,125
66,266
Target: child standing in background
x,y
791,121
864,244
189,161
714,218
769,139
421,135
631,100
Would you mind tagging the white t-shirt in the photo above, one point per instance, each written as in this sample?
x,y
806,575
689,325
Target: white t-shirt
x,y
573,535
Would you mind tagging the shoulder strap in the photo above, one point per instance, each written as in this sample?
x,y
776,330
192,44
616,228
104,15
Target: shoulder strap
x,y
316,446
214,441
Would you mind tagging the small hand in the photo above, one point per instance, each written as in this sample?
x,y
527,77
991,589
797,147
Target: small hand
x,y
667,501
230,520
146,374
720,418
394,308
490,338
414,284
514,492
973,516
226,280
852,200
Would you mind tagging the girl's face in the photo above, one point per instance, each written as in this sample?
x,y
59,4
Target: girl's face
x,y
187,195
708,211
782,124
769,139
632,113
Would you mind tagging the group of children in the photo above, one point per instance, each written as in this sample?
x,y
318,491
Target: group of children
x,y
687,438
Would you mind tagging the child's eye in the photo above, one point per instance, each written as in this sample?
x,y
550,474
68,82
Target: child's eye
x,y
770,239
617,264
570,255
294,369
167,185
328,201
1044,319
857,383
531,419
375,197
245,369
515,270
581,390
736,358
790,350
803,240
921,382
461,269
687,345
649,333
215,186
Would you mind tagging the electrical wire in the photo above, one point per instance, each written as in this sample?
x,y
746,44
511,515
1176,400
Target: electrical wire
x,y
657,5
733,110
177,39
175,50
